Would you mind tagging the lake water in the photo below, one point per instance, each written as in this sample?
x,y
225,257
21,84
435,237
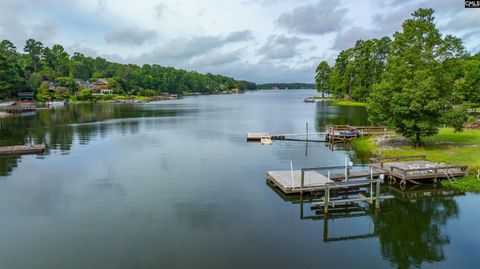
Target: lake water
x,y
175,185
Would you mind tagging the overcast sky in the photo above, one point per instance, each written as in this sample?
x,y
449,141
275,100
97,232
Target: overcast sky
x,y
255,40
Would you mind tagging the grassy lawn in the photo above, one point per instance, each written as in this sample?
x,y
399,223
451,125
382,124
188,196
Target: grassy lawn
x,y
467,184
336,102
447,147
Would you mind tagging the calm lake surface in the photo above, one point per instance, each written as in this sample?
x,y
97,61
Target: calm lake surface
x,y
175,185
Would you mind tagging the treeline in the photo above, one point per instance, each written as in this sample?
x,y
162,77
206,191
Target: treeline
x,y
26,71
284,86
413,82
357,70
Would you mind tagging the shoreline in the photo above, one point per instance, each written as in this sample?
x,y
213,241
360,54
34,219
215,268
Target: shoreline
x,y
461,148
340,102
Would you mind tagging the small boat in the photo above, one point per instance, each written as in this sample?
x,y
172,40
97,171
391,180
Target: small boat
x,y
349,133
309,100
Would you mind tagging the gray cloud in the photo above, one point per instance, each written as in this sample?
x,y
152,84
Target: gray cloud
x,y
265,71
130,36
466,20
159,10
239,36
280,47
385,23
180,50
323,17
216,58
45,30
102,5
348,38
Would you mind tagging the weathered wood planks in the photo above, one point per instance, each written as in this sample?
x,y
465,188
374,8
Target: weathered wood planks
x,y
22,149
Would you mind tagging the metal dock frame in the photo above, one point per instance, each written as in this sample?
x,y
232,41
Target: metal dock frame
x,y
348,184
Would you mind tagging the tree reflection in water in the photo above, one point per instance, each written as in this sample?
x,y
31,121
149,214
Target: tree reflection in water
x,y
58,128
408,227
410,233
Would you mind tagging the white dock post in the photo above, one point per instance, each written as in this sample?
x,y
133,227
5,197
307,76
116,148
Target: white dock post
x,y
327,198
291,173
306,127
377,195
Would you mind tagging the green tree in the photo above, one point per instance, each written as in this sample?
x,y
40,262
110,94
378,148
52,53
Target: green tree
x,y
469,85
67,82
322,77
57,59
85,94
81,66
113,84
34,49
413,91
43,92
61,93
10,72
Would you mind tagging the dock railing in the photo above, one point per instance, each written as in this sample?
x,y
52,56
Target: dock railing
x,y
381,160
427,171
329,168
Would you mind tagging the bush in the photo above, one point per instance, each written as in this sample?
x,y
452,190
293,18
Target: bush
x,y
85,94
42,92
149,92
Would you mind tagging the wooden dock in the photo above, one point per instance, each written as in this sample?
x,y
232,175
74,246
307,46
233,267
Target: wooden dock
x,y
416,170
291,181
266,138
344,133
19,108
22,149
311,180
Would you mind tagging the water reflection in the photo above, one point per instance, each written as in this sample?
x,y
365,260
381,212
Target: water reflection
x,y
340,115
410,228
59,128
411,231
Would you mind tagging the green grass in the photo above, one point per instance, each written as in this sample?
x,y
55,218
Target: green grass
x,y
447,135
466,184
346,103
447,147
364,147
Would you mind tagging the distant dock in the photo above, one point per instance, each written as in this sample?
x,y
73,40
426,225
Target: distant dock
x,y
331,133
344,133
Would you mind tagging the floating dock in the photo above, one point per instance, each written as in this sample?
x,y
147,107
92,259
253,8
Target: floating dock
x,y
22,149
291,181
310,180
